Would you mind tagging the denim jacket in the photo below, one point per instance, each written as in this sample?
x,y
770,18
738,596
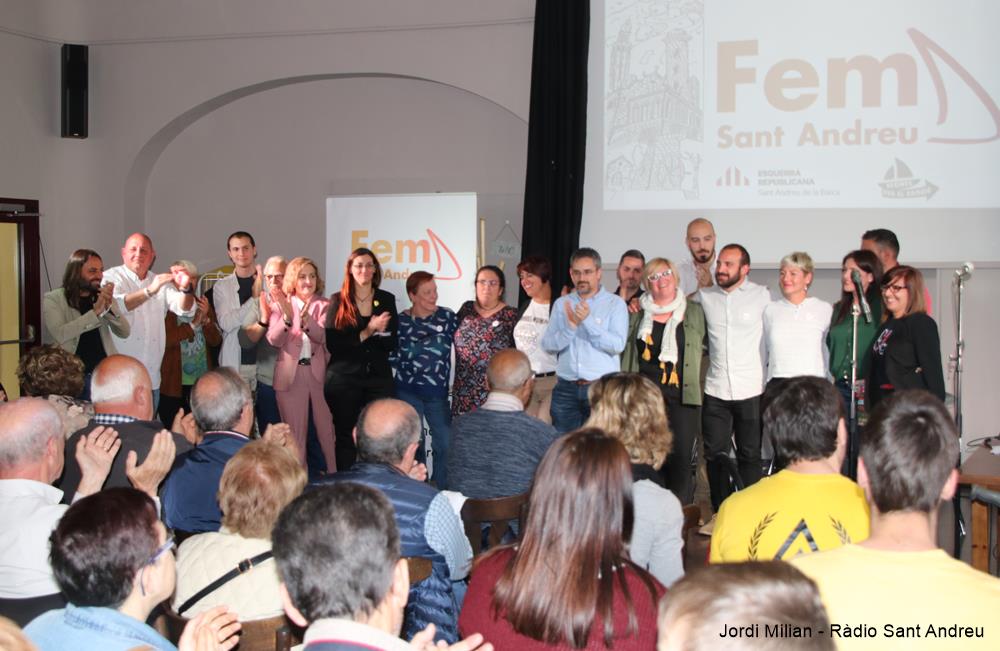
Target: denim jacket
x,y
85,628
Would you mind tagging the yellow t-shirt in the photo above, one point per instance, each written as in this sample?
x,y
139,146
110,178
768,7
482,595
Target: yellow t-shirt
x,y
905,600
788,514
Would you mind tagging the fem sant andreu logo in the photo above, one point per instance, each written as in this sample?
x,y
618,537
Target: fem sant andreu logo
x,y
430,253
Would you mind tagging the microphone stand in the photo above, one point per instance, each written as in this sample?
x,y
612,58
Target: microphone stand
x,y
957,358
852,420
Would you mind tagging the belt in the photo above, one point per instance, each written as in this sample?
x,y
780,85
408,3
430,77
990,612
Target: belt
x,y
549,374
305,361
582,383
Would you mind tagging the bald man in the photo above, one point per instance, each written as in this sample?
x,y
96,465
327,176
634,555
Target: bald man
x,y
123,398
145,298
387,435
696,271
497,447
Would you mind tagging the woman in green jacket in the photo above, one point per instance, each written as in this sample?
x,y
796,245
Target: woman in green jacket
x,y
665,343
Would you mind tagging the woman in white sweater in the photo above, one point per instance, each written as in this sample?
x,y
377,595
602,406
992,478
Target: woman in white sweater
x,y
257,483
629,407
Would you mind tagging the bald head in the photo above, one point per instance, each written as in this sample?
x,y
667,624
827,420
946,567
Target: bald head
x,y
121,385
138,254
220,401
26,428
701,240
509,371
386,429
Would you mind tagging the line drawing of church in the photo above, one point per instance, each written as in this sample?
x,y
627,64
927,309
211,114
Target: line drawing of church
x,y
652,97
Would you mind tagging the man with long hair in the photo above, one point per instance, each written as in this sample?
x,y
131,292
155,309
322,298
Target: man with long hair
x,y
81,315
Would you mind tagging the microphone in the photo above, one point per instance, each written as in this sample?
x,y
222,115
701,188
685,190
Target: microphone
x,y
856,279
965,271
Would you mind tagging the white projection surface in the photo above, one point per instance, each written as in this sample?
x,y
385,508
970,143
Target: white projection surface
x,y
795,125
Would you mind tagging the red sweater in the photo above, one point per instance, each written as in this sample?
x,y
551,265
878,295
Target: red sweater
x,y
477,615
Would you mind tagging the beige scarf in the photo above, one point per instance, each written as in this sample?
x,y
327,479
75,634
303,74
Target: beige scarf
x,y
668,347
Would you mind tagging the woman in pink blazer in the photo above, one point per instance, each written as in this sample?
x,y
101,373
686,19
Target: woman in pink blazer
x,y
297,330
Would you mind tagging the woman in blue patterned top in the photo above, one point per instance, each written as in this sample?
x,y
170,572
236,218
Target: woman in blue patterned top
x,y
423,364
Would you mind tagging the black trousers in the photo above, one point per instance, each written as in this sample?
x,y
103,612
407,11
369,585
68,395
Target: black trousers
x,y
678,470
720,419
346,397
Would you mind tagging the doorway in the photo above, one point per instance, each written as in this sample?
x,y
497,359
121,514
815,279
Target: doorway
x,y
20,287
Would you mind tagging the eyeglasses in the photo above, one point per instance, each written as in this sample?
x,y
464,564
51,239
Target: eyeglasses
x,y
157,555
894,289
577,273
488,283
362,266
666,273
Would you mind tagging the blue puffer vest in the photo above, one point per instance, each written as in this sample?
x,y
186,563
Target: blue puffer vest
x,y
432,601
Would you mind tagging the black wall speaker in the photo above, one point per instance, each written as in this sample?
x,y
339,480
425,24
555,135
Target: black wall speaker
x,y
74,91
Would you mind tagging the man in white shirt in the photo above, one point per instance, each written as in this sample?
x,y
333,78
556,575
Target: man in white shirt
x,y
696,272
235,297
32,447
734,310
144,299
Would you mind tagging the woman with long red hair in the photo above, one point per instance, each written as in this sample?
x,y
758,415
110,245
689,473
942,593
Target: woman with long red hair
x,y
361,331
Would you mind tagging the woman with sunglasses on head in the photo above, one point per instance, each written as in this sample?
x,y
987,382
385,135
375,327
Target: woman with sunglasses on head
x,y
361,332
907,349
485,326
665,345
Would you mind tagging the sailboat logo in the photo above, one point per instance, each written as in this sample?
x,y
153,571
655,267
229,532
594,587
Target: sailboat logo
x,y
899,183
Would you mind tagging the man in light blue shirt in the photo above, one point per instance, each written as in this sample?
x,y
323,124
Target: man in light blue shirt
x,y
587,331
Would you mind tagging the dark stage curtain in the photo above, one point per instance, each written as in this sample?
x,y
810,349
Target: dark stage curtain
x,y
557,131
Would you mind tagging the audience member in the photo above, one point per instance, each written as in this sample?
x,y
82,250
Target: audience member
x,y
259,481
629,408
49,372
808,506
696,272
485,326
234,298
220,402
795,325
569,582
31,458
666,344
422,364
12,638
145,298
123,399
252,335
535,274
587,332
387,434
81,315
186,355
361,332
338,553
907,349
498,446
111,558
734,310
298,316
629,274
897,589
744,607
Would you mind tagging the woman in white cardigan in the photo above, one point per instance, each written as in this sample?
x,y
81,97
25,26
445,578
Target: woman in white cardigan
x,y
257,483
629,407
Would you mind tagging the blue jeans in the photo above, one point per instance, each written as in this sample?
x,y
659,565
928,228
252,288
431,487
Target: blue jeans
x,y
266,407
570,406
438,415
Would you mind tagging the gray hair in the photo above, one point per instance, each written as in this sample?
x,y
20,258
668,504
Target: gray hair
x,y
188,266
586,252
508,376
218,399
114,383
26,425
385,429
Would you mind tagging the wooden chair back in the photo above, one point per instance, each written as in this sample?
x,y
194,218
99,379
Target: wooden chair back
x,y
497,513
271,634
420,568
692,519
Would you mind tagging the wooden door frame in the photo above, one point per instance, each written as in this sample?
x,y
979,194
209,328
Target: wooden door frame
x,y
30,271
